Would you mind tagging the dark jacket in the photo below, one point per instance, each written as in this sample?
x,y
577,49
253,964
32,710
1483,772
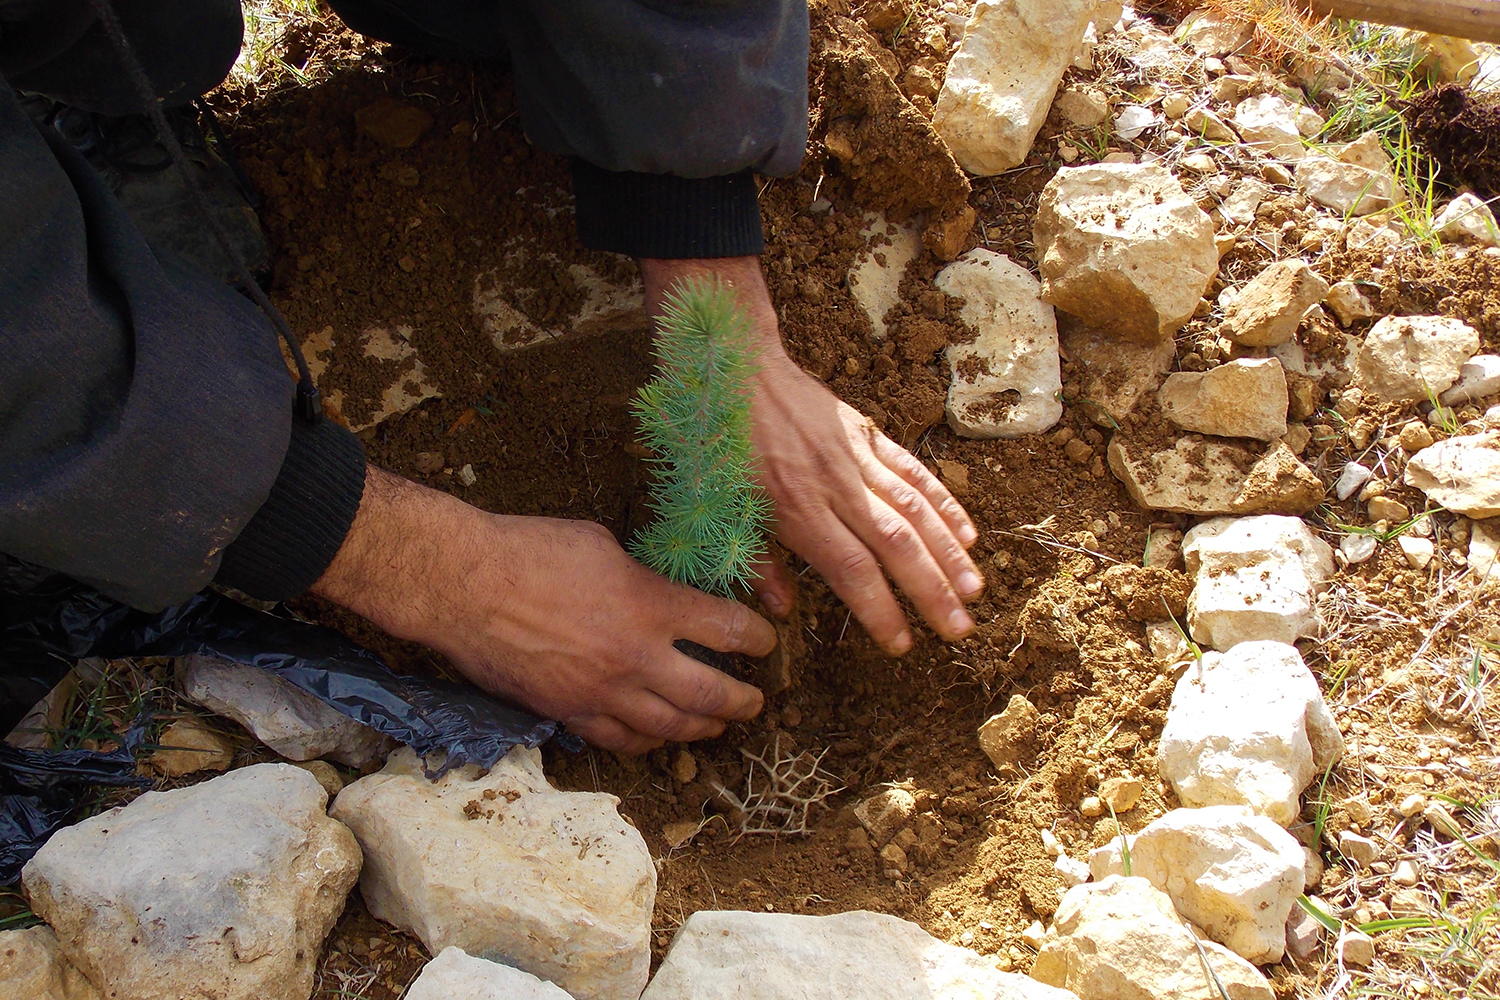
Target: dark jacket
x,y
146,437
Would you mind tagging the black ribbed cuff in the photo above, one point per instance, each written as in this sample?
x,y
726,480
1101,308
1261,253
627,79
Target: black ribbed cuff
x,y
667,217
298,530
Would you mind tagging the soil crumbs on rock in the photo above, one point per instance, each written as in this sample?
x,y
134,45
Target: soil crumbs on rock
x,y
401,238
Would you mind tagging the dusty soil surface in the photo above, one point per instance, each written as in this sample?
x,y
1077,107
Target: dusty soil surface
x,y
368,235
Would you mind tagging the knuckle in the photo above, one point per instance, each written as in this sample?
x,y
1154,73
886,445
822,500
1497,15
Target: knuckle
x,y
908,502
897,535
856,565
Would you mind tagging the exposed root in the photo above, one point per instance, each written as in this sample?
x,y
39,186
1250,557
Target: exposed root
x,y
781,790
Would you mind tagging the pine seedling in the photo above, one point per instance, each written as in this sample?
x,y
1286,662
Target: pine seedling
x,y
695,418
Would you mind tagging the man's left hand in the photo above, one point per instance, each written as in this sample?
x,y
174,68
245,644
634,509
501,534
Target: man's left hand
x,y
848,499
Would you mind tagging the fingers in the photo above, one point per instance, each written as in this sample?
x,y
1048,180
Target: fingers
x,y
853,573
774,585
899,546
609,733
726,626
654,716
698,689
906,465
908,502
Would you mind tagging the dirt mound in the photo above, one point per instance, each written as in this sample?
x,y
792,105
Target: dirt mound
x,y
1460,128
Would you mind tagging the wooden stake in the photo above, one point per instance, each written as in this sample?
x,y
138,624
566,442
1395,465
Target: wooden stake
x,y
1476,19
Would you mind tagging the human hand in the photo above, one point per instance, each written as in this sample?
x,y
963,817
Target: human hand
x,y
550,613
848,499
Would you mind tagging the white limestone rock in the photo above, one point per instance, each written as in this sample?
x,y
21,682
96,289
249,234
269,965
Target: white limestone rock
x,y
1004,736
1479,377
1349,303
1254,578
1357,180
1206,476
1406,358
1245,200
225,889
282,716
1268,124
739,955
1214,32
508,868
886,812
1005,384
1084,107
1461,474
1002,79
1123,248
1467,219
1114,375
1248,727
875,278
1120,939
1245,398
1232,873
1268,310
457,975
32,967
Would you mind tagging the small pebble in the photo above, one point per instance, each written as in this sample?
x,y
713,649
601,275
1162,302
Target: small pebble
x,y
1091,806
1034,935
1356,948
1405,874
1414,437
1411,805
1050,844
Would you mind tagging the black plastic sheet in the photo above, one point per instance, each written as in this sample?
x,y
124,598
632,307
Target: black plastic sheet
x,y
47,622
39,789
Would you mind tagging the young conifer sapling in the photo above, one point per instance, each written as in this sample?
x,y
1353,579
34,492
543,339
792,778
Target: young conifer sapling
x,y
694,416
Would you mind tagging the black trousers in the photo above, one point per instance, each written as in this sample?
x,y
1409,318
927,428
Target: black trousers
x,y
187,47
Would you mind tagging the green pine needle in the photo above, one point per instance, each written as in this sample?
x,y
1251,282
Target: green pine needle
x,y
695,417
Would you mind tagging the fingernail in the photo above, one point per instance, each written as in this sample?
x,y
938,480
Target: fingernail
x,y
959,622
773,603
970,583
903,643
967,535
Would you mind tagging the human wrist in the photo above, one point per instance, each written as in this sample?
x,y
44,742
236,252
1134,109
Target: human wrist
x,y
385,571
743,274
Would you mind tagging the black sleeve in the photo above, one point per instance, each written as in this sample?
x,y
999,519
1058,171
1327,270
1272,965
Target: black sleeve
x,y
145,409
667,107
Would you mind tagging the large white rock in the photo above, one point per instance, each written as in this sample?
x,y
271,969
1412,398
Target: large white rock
x,y
1467,219
1357,180
457,975
1114,375
1268,124
1406,359
1248,727
1461,474
1479,377
282,716
1123,248
225,889
32,967
1245,398
1002,79
738,955
1232,873
1006,382
1254,578
508,868
1268,310
875,278
1207,476
1121,939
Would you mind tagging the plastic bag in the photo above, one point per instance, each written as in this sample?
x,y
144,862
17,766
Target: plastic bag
x,y
39,790
47,622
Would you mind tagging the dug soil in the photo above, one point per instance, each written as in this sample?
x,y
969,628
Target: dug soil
x,y
370,235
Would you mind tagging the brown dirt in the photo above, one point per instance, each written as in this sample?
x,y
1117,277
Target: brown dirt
x,y
367,235
1460,128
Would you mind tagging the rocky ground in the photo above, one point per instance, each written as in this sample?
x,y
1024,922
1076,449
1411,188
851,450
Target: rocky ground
x,y
1196,312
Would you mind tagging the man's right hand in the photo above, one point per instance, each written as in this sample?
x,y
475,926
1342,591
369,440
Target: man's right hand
x,y
550,613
